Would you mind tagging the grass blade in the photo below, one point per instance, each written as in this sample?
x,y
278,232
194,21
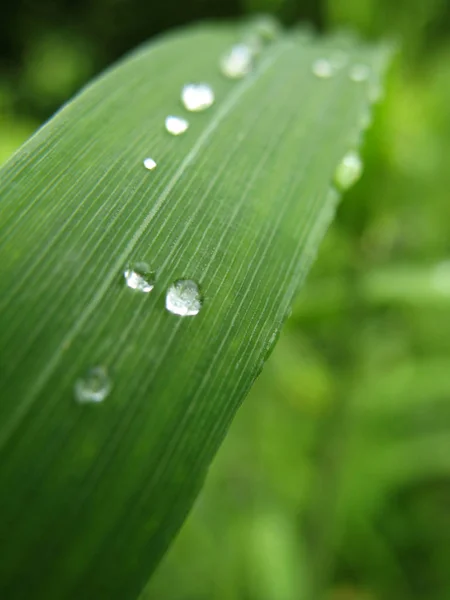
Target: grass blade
x,y
238,204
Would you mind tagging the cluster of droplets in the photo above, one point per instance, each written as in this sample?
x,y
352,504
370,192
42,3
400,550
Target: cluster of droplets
x,y
350,167
236,63
183,297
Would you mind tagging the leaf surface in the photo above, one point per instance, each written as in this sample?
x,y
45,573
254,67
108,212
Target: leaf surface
x,y
92,494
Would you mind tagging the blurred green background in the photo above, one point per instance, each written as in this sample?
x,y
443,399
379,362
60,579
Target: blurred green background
x,y
334,481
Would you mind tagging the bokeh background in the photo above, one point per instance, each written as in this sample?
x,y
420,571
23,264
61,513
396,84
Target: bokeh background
x,y
334,481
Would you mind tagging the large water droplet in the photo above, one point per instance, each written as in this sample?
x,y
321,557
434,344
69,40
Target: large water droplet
x,y
348,171
140,277
359,73
149,164
197,96
93,387
237,62
176,125
322,68
183,298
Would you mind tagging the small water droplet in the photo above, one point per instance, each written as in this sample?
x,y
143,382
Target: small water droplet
x,y
140,277
93,387
322,68
348,171
183,298
237,62
197,96
266,27
359,73
176,125
149,164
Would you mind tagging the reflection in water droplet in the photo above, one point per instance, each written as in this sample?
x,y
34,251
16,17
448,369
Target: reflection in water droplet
x,y
197,96
359,73
183,298
149,164
237,62
140,277
93,387
176,125
322,68
348,171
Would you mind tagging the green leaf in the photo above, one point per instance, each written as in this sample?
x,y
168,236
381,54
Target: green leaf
x,y
92,494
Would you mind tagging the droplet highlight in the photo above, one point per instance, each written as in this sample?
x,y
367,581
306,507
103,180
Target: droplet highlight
x,y
183,298
322,68
348,171
238,62
197,96
140,277
93,387
359,73
176,125
149,164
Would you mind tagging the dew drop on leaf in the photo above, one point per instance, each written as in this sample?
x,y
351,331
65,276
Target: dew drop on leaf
x,y
149,164
266,27
348,171
183,298
237,62
197,96
322,68
94,386
176,125
140,277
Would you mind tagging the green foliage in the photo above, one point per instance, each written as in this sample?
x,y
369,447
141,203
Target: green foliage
x,y
363,358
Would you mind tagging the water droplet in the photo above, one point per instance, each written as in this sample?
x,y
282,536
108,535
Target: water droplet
x,y
149,164
197,96
183,298
140,277
176,125
237,62
266,27
93,387
322,68
348,171
359,73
